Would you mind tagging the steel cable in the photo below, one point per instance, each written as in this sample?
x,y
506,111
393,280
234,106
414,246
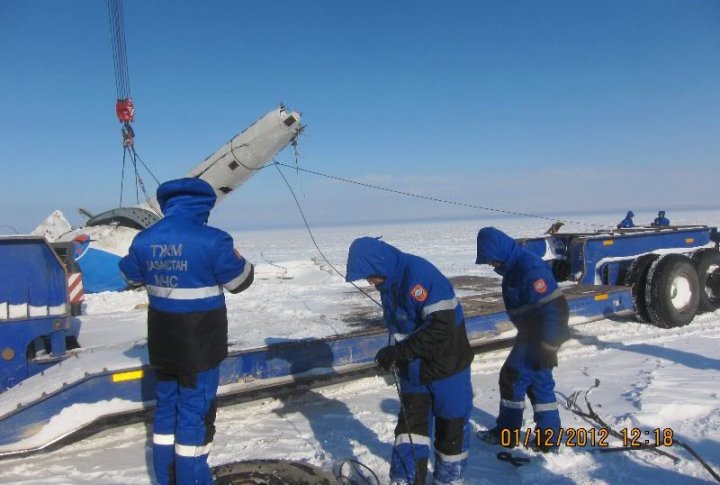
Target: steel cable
x,y
437,199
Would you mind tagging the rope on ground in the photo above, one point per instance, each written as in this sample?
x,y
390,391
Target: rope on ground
x,y
592,417
273,264
356,468
699,459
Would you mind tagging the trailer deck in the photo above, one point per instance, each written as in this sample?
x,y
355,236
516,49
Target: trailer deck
x,y
83,389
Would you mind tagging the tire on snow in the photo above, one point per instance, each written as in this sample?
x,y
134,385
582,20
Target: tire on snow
x,y
271,472
672,292
636,278
707,264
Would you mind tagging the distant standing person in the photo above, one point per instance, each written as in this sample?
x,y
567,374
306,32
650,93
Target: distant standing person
x,y
184,265
661,220
628,221
537,307
432,354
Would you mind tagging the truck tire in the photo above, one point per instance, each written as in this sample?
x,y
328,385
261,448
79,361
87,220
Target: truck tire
x,y
707,264
636,278
672,292
272,472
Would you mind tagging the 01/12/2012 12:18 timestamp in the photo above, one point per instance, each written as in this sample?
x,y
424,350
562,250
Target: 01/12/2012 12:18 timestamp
x,y
581,437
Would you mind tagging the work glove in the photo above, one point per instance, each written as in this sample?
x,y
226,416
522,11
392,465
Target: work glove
x,y
543,355
387,356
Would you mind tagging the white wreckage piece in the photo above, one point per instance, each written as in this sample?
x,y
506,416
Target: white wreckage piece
x,y
226,169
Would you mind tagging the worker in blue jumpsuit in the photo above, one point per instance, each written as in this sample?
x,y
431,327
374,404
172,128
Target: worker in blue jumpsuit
x,y
537,307
431,353
628,221
661,220
184,265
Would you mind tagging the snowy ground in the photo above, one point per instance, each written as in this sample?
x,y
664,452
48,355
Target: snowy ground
x,y
650,378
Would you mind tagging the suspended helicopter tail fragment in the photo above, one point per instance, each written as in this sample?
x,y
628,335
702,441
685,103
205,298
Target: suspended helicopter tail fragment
x,y
246,153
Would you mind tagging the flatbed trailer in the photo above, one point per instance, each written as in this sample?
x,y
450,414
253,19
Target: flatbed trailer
x,y
77,394
664,276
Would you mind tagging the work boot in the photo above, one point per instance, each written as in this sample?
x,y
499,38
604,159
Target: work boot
x,y
492,437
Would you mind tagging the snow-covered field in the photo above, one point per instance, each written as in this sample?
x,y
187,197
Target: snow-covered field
x,y
649,378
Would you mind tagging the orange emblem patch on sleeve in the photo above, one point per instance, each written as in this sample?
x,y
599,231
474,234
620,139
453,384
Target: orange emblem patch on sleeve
x,y
419,293
540,286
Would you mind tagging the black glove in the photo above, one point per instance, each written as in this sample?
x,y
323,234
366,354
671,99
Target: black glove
x,y
543,356
387,356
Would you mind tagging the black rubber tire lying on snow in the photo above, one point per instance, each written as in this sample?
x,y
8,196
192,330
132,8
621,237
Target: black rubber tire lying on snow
x,y
672,292
707,264
272,472
636,278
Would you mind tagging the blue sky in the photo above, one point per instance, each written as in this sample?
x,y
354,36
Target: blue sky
x,y
544,107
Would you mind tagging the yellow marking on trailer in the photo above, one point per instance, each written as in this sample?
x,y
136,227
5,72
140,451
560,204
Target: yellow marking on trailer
x,y
602,297
690,240
608,242
127,376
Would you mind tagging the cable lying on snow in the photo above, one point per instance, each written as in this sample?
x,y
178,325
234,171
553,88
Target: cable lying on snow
x,y
356,469
593,418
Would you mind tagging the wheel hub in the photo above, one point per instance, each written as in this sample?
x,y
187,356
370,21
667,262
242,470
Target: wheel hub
x,y
680,292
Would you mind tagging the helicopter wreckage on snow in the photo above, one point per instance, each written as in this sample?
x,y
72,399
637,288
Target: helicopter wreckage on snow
x,y
105,238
